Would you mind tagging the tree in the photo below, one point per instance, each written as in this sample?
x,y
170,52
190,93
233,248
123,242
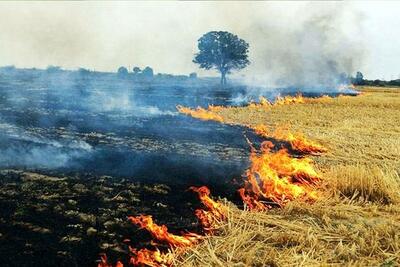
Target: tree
x,y
222,51
359,78
122,71
148,72
136,70
193,75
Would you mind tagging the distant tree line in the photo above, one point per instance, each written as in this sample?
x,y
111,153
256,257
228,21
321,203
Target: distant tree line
x,y
359,80
148,73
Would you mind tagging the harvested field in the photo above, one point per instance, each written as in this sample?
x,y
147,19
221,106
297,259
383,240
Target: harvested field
x,y
355,222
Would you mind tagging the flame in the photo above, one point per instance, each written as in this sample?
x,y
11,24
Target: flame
x,y
104,262
152,258
279,101
276,178
300,143
262,103
160,232
287,100
215,108
297,141
210,112
273,178
216,211
201,113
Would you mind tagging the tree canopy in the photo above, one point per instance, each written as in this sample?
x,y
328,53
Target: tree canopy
x,y
222,51
148,72
122,71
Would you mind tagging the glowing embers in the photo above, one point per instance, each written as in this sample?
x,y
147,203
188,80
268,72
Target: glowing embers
x,y
216,212
276,178
201,113
297,141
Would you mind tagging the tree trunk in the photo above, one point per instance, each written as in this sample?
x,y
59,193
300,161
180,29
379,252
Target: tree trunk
x,y
223,78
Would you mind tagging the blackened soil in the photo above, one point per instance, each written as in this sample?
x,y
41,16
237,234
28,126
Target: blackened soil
x,y
67,221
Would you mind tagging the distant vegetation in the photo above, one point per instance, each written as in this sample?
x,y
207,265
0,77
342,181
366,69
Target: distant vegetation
x,y
359,80
137,74
148,75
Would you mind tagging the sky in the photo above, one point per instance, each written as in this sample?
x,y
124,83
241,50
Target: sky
x,y
284,37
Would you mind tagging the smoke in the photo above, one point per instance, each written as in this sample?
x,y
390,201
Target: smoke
x,y
24,147
290,43
317,50
95,120
122,101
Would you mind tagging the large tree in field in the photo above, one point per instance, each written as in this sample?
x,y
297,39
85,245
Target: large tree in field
x,y
222,51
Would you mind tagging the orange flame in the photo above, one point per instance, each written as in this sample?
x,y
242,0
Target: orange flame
x,y
287,100
273,178
297,141
263,103
217,212
277,178
161,232
201,113
279,101
104,262
152,258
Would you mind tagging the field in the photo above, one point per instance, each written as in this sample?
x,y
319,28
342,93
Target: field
x,y
356,219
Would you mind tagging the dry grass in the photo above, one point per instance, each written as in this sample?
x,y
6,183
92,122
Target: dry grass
x,y
356,222
361,130
364,183
333,232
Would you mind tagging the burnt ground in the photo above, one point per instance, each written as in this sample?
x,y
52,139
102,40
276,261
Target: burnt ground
x,y
52,219
67,221
80,152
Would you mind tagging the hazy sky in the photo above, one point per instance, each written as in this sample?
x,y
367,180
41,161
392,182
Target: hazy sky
x,y
163,35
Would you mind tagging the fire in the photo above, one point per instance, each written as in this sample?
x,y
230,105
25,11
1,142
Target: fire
x,y
279,101
155,258
201,113
287,100
216,211
152,258
215,108
160,232
210,112
300,143
276,178
104,262
297,141
263,103
273,178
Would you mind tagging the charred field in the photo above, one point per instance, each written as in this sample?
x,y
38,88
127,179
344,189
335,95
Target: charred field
x,y
83,152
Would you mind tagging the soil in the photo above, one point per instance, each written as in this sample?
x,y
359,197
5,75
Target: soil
x,y
53,220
